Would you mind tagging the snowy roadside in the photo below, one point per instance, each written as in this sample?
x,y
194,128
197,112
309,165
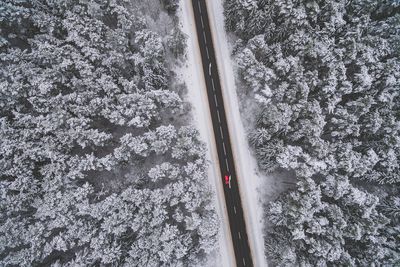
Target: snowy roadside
x,y
191,73
249,179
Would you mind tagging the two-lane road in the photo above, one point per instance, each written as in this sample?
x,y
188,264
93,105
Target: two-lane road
x,y
221,133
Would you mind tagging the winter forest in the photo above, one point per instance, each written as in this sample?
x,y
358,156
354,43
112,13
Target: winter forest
x,y
324,77
99,163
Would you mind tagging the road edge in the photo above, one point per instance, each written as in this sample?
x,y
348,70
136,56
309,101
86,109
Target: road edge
x,y
207,132
256,241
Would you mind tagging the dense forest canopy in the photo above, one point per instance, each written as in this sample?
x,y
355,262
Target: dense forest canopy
x,y
97,164
325,77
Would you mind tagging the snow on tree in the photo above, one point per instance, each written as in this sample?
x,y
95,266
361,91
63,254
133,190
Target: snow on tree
x,y
324,77
90,172
331,224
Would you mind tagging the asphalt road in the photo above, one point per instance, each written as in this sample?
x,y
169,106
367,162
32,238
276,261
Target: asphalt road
x,y
221,133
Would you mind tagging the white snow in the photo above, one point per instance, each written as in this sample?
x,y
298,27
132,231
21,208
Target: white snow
x,y
191,73
249,179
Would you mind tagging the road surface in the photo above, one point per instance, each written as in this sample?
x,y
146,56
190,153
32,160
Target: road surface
x,y
226,162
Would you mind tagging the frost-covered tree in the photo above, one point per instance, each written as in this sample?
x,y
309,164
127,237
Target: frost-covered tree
x,y
331,81
334,224
170,5
91,170
324,79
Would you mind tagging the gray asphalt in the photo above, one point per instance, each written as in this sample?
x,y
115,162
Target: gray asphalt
x,y
221,133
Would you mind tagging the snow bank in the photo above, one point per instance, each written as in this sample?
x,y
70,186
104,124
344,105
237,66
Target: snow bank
x,y
249,179
191,73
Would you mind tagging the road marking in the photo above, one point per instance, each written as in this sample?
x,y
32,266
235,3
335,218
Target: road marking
x,y
208,55
219,118
234,209
215,99
204,36
223,144
227,165
220,130
244,262
209,69
213,85
240,237
202,23
199,6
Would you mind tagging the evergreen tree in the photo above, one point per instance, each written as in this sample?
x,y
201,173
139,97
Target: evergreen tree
x,y
90,171
324,79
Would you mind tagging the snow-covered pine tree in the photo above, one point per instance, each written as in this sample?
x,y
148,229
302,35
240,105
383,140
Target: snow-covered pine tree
x,y
324,77
90,173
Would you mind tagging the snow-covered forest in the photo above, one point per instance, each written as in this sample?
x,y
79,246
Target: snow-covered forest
x,y
324,80
99,164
